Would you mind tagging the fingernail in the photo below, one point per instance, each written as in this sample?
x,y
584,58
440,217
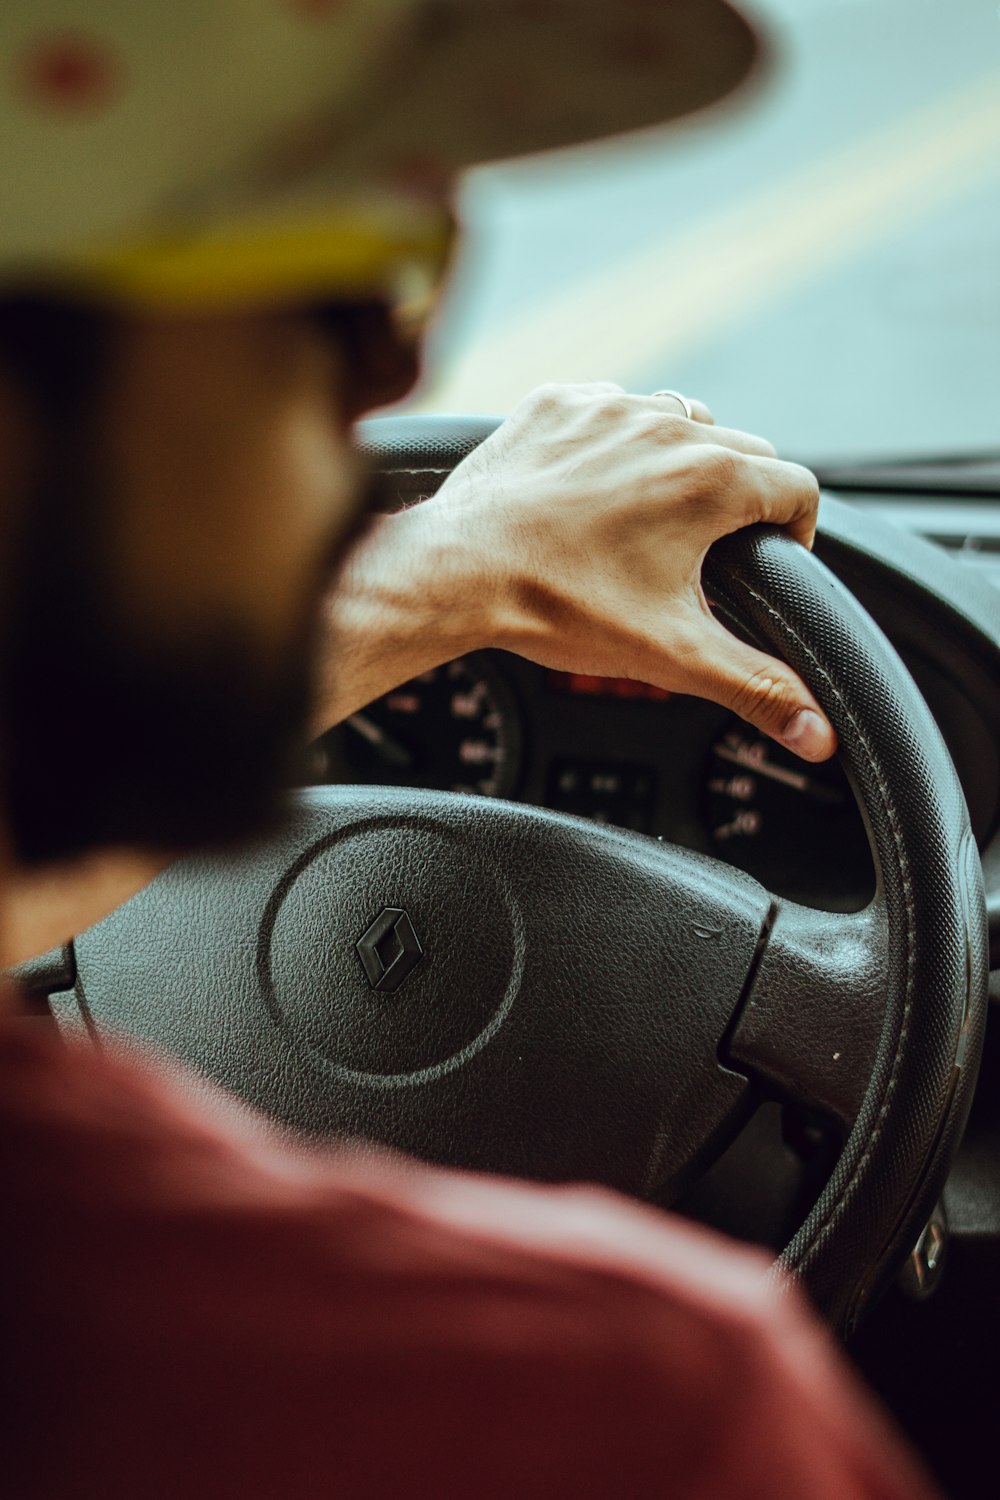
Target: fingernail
x,y
807,734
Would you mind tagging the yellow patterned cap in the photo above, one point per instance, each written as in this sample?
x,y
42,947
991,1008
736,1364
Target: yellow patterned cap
x,y
205,153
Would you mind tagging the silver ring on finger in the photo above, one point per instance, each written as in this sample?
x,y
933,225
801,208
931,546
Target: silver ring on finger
x,y
685,403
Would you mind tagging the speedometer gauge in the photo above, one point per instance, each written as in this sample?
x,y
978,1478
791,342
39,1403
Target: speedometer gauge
x,y
793,825
455,728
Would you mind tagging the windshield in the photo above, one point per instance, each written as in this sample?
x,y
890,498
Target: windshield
x,y
818,260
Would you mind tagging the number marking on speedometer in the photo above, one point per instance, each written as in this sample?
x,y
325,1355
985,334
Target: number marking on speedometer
x,y
753,757
793,826
455,727
477,752
747,823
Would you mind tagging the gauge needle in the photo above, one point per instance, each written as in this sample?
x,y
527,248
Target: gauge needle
x,y
768,769
391,751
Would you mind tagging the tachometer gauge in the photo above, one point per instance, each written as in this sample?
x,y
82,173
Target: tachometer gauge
x,y
793,825
455,728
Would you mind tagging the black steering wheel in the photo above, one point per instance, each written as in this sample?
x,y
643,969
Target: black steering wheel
x,y
508,989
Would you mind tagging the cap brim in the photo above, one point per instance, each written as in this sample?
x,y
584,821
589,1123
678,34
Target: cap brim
x,y
486,80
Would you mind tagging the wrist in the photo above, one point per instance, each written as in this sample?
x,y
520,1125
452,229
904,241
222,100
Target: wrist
x,y
451,584
414,593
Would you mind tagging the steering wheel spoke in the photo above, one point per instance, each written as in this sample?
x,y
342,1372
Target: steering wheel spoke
x,y
789,1036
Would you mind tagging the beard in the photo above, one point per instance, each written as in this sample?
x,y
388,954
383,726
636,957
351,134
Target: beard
x,y
115,733
111,742
114,738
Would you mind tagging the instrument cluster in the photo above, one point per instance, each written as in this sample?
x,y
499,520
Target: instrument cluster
x,y
618,752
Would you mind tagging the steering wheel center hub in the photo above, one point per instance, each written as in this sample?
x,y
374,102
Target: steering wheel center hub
x,y
404,988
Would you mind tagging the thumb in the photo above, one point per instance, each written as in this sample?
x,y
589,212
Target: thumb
x,y
762,690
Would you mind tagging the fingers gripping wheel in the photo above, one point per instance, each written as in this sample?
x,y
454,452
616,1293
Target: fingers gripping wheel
x,y
508,989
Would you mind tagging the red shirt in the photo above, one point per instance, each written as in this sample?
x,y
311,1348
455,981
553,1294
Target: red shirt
x,y
196,1308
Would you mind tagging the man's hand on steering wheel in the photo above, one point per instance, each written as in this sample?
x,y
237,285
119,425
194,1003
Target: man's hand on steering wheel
x,y
575,536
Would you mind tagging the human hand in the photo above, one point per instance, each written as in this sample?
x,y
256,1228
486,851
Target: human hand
x,y
592,512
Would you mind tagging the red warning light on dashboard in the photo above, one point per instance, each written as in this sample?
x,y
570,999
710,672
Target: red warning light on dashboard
x,y
581,686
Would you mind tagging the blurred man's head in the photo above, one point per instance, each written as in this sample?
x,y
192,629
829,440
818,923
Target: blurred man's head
x,y
186,485
217,221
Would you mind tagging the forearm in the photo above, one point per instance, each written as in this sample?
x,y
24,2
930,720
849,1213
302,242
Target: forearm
x,y
415,592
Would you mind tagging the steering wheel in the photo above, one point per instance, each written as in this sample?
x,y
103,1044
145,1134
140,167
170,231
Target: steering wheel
x,y
503,988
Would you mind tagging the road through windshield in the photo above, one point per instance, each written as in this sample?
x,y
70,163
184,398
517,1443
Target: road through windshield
x,y
818,259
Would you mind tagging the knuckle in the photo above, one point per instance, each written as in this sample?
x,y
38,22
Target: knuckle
x,y
719,472
748,442
764,698
807,483
613,407
545,399
577,403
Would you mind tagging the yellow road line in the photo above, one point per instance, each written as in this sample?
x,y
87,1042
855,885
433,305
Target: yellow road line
x,y
673,295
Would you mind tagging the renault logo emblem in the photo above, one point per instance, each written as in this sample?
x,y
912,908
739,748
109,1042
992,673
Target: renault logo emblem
x,y
389,950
